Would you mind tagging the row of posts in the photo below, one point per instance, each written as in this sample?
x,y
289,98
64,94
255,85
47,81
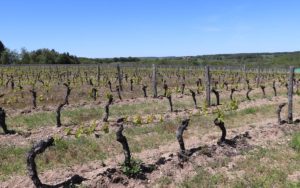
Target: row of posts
x,y
290,90
154,79
208,86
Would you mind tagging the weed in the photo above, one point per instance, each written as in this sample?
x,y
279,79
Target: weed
x,y
134,169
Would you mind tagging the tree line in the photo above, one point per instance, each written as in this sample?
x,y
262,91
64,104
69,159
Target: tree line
x,y
40,56
47,56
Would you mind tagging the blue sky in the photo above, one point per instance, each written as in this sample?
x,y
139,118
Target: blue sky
x,y
114,28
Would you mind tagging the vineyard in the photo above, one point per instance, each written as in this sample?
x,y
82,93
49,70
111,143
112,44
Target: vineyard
x,y
149,126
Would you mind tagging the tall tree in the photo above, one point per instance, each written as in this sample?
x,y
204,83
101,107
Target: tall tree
x,y
9,57
25,56
5,57
2,48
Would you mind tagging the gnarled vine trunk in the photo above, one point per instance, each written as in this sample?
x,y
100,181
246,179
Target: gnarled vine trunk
x,y
68,93
278,111
122,139
109,85
169,97
221,125
165,88
179,137
182,88
226,85
38,148
263,90
58,114
248,92
94,93
60,106
217,95
119,78
2,120
248,83
131,84
33,92
198,83
3,123
106,109
119,92
144,88
231,93
194,97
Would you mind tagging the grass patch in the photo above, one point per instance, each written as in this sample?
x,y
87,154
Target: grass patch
x,y
295,142
264,177
32,121
72,151
150,136
245,116
64,153
267,167
204,179
219,162
147,107
80,115
69,152
250,110
164,181
262,167
12,160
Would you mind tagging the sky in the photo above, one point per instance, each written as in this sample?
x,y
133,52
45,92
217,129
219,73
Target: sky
x,y
122,28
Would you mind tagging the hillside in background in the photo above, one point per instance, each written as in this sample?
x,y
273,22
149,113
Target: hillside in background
x,y
279,59
47,56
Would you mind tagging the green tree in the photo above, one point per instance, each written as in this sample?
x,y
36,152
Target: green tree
x,y
9,57
5,57
25,56
63,59
14,57
2,48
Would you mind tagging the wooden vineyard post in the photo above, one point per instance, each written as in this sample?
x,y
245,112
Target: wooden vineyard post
x,y
119,77
207,82
245,75
258,77
98,75
290,95
154,81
